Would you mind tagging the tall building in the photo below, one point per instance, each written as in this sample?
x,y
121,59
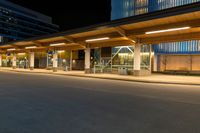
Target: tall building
x,y
17,22
127,8
174,51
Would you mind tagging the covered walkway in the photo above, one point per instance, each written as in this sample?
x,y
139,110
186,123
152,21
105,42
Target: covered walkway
x,y
124,44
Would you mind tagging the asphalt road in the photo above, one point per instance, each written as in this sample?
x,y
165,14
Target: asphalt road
x,y
36,103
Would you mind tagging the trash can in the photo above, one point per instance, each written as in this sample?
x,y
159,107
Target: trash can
x,y
123,71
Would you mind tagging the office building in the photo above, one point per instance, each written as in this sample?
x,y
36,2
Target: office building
x,y
179,53
18,23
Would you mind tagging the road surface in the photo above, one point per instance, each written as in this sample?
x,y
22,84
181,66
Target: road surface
x,y
39,103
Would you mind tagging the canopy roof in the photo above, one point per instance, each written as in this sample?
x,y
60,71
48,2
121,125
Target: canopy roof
x,y
127,31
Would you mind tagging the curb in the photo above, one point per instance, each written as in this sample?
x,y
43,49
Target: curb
x,y
129,80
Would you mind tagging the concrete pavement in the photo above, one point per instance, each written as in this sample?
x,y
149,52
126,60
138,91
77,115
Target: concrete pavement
x,y
154,78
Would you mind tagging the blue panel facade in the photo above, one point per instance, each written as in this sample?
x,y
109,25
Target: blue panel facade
x,y
126,8
187,47
17,23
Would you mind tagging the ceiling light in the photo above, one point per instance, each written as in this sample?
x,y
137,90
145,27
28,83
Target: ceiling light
x,y
57,44
31,47
167,30
61,51
21,53
97,39
11,49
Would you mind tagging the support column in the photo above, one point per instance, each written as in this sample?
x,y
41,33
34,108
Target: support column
x,y
32,60
150,58
55,61
155,63
0,60
137,60
71,60
87,60
14,61
47,66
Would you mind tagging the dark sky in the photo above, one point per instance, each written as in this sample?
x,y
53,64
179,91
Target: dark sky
x,y
69,14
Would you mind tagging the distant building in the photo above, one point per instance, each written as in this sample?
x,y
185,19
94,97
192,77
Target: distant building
x,y
17,22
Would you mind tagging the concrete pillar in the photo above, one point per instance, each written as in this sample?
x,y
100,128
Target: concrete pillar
x,y
137,60
150,58
0,60
55,62
71,60
47,61
32,60
155,61
87,60
14,61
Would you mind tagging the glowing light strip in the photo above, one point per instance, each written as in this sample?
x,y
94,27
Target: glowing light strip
x,y
167,30
57,44
31,47
97,39
61,51
11,49
21,53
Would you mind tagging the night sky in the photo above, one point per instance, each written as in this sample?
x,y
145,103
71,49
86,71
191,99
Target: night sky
x,y
74,14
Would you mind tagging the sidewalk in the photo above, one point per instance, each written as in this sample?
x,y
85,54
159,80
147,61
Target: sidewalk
x,y
154,78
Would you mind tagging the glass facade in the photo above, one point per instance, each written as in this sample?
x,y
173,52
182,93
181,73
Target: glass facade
x,y
22,60
163,4
18,23
187,47
112,59
122,57
126,8
7,60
